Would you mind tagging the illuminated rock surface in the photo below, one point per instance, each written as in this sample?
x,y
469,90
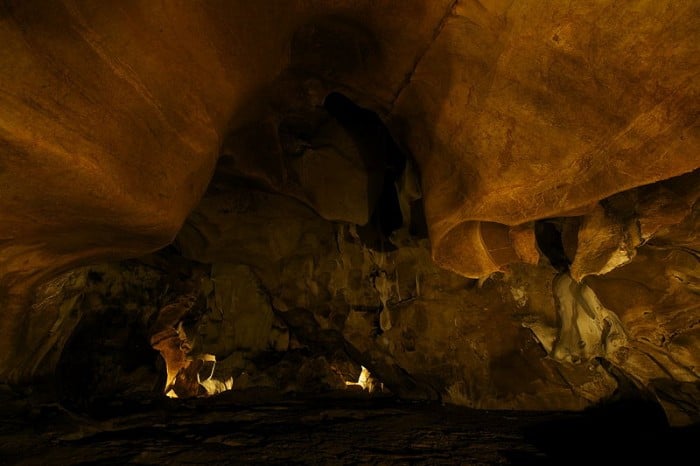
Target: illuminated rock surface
x,y
488,204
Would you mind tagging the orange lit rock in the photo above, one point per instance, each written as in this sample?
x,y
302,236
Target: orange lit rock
x,y
113,117
525,110
522,238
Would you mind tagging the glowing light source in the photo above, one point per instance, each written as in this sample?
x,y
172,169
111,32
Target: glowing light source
x,y
364,380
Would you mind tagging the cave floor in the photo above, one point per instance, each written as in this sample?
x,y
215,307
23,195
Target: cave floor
x,y
330,430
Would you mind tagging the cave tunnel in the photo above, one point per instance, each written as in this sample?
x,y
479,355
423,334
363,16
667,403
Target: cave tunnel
x,y
312,233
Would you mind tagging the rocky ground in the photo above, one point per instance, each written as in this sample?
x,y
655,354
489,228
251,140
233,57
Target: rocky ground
x,y
234,428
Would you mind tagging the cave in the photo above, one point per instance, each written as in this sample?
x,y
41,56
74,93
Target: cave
x,y
419,232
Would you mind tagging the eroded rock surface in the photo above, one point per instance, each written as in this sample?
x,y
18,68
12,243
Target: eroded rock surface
x,y
490,203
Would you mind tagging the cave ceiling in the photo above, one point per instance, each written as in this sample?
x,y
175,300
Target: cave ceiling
x,y
463,193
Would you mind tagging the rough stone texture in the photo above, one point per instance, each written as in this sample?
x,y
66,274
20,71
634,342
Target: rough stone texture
x,y
92,327
529,338
114,116
546,107
254,428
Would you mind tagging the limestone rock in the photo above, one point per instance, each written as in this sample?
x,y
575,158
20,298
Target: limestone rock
x,y
384,174
240,317
603,244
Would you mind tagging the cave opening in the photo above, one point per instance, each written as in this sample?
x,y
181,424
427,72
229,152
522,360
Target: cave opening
x,y
108,357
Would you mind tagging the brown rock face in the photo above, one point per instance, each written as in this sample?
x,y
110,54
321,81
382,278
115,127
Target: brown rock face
x,y
492,203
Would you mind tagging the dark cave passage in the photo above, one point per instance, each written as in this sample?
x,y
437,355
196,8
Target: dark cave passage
x,y
381,153
549,241
108,356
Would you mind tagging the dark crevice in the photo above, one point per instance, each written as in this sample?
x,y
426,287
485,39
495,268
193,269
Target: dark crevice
x,y
418,227
549,242
381,155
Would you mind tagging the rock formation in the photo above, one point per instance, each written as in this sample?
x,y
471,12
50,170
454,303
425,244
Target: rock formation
x,y
494,204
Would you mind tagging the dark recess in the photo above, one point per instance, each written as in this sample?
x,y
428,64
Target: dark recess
x,y
381,154
549,242
102,358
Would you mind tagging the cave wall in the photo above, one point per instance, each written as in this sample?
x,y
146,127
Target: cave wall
x,y
296,303
544,108
114,117
529,337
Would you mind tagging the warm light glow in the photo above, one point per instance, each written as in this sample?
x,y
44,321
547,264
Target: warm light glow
x,y
364,380
211,385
